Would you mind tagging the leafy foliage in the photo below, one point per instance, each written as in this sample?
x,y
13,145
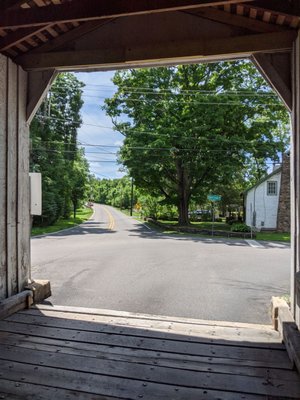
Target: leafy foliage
x,y
65,171
193,129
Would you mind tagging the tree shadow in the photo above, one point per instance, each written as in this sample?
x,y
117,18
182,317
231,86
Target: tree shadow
x,y
87,228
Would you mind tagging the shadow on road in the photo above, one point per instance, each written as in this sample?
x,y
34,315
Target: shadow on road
x,y
140,231
88,228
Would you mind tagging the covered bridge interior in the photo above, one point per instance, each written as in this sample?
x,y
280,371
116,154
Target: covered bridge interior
x,y
39,38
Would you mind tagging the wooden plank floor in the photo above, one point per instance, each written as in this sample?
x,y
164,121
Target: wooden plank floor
x,y
76,353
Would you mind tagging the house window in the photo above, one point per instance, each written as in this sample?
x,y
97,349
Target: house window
x,y
272,188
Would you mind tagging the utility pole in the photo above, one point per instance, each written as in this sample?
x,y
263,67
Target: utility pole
x,y
131,199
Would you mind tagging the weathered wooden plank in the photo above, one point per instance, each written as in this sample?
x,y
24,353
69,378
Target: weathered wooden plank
x,y
12,390
94,10
106,351
290,334
112,386
3,155
38,85
125,314
23,213
173,346
155,374
202,364
295,179
272,69
160,329
12,167
15,303
193,50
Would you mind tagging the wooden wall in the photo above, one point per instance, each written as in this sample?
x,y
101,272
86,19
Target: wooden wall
x,y
295,184
14,180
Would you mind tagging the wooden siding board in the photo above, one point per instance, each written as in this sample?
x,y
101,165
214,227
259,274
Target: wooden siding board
x,y
23,213
3,113
295,186
12,147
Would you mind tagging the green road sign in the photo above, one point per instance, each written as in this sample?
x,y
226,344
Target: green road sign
x,y
214,197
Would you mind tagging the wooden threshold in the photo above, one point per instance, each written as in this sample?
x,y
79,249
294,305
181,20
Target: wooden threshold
x,y
76,353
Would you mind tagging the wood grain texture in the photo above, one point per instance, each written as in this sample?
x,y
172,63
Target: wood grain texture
x,y
14,188
79,353
12,168
23,209
3,105
295,179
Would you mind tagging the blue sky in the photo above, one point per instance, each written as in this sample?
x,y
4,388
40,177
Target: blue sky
x,y
96,129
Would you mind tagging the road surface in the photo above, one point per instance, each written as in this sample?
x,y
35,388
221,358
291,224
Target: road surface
x,y
114,262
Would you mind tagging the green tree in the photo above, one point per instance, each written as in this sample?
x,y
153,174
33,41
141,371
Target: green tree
x,y
54,149
188,128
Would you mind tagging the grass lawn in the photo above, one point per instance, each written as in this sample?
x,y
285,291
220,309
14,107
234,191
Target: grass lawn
x,y
126,211
82,215
273,236
218,226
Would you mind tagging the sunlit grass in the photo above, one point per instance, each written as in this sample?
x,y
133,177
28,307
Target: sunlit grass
x,y
273,236
82,215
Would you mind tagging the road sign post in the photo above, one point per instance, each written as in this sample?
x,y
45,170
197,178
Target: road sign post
x,y
213,198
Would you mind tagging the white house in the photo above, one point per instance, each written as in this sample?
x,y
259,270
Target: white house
x,y
262,200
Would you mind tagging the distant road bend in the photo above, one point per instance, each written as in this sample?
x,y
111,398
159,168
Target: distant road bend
x,y
115,262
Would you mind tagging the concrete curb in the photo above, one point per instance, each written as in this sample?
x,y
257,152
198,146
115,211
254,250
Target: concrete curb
x,y
62,230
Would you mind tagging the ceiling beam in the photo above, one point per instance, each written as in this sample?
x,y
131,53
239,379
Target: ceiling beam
x,y
224,17
194,50
89,10
19,36
287,7
6,4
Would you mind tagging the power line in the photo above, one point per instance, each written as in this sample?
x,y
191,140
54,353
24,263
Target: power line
x,y
248,91
118,131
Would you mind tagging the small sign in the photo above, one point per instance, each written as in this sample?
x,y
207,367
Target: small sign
x,y
214,197
35,193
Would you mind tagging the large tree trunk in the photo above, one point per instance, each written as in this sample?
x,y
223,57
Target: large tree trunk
x,y
183,190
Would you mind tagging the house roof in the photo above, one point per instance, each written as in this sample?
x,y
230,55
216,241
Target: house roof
x,y
30,27
265,178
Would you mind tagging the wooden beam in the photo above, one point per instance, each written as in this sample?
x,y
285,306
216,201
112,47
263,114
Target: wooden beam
x,y
291,7
19,36
95,9
7,4
15,303
69,36
38,85
227,18
187,50
276,69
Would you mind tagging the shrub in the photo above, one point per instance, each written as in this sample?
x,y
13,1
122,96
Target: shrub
x,y
240,228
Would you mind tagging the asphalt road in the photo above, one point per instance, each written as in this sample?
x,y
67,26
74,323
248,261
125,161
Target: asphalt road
x,y
115,262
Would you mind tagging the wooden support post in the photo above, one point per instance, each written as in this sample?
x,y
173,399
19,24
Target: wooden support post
x,y
14,180
295,184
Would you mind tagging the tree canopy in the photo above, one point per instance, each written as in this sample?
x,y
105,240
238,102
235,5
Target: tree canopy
x,y
55,153
189,129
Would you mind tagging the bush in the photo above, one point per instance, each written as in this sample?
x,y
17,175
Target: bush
x,y
218,220
240,228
